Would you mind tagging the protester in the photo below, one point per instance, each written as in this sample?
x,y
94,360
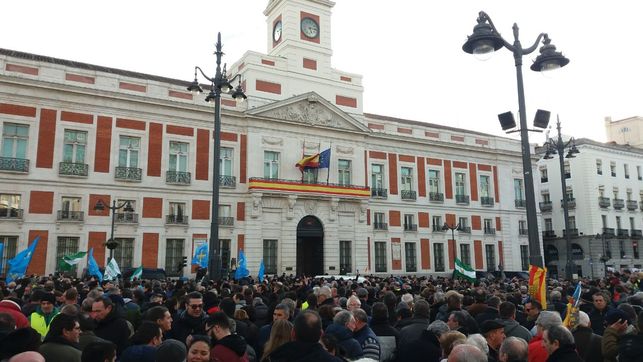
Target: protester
x,y
61,342
342,329
365,336
494,332
466,353
190,321
513,349
11,307
199,349
41,318
587,342
99,352
109,324
537,350
559,343
507,313
143,343
280,334
228,347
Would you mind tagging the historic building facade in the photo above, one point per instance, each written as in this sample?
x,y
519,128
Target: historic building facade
x,y
76,135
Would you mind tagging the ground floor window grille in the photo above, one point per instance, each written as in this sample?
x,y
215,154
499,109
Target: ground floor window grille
x,y
524,257
66,246
224,245
124,252
380,257
174,257
270,256
465,253
9,244
491,257
345,262
438,256
411,257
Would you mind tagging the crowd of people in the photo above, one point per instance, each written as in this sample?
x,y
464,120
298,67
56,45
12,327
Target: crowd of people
x,y
288,318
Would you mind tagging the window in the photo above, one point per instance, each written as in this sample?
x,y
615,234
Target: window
x,y
124,252
178,156
635,249
309,175
463,222
173,257
613,169
546,197
618,222
71,209
177,213
379,221
224,244
626,170
9,244
632,226
410,257
485,190
638,173
434,181
465,253
549,226
270,256
380,257
226,160
543,175
599,167
270,164
629,195
344,172
74,147
488,226
126,216
519,193
438,257
409,222
66,246
490,252
524,257
128,151
604,220
568,170
522,227
10,206
407,179
225,215
345,262
572,222
377,176
14,140
437,223
460,184
570,194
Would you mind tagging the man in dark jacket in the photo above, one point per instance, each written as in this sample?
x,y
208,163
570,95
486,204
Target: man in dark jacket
x,y
305,347
388,336
588,344
598,313
365,336
630,346
229,347
342,329
61,343
419,323
189,321
489,313
109,324
362,294
507,312
427,347
261,312
559,343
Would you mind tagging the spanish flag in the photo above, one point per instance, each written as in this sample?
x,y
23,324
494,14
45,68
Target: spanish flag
x,y
318,160
538,284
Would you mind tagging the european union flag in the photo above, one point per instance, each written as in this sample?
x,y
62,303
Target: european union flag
x,y
262,271
200,257
92,266
18,265
242,270
324,159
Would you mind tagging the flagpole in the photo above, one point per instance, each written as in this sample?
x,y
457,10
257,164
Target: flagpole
x,y
330,147
303,154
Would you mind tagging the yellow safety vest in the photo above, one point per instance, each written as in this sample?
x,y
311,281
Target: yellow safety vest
x,y
39,323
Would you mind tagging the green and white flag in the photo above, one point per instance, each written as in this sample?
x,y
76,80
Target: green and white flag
x,y
112,270
73,259
463,270
137,273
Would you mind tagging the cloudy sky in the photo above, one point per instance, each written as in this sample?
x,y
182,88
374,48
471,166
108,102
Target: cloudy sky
x,y
408,51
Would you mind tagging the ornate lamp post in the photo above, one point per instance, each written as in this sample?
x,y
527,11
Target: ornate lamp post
x,y
219,84
111,244
483,42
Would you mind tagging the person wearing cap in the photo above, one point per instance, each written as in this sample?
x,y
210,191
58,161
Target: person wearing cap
x,y
630,347
494,332
546,319
559,343
40,320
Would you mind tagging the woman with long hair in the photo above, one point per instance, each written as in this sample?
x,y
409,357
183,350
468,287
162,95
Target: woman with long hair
x,y
280,334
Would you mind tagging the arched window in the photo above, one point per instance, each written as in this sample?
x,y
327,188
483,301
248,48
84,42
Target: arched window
x,y
577,252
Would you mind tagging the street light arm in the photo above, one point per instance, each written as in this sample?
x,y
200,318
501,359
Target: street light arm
x,y
211,80
536,43
482,17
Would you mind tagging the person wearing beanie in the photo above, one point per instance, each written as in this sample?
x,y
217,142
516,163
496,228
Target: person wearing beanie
x,y
12,308
171,350
44,314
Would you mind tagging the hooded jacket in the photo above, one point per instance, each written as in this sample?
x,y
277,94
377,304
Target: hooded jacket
x,y
114,328
11,307
297,351
231,348
345,340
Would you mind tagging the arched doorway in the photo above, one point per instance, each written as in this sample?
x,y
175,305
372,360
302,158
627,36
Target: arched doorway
x,y
310,246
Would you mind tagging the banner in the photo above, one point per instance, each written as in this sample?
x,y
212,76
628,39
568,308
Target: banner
x,y
242,270
92,266
18,265
571,314
137,273
464,271
318,160
262,272
538,284
200,257
112,271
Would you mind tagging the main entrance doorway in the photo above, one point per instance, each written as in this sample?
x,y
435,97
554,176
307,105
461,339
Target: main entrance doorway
x,y
310,246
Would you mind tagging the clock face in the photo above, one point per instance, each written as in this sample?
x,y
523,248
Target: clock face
x,y
310,28
276,31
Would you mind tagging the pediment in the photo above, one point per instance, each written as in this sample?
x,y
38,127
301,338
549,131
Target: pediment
x,y
310,109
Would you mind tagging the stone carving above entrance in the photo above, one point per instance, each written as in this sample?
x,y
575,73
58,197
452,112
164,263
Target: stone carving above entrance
x,y
310,206
274,141
309,112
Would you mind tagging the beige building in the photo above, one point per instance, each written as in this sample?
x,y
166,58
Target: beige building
x,y
628,131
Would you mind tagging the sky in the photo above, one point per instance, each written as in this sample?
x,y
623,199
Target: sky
x,y
409,52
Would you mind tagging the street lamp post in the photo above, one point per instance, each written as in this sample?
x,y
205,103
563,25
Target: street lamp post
x,y
111,244
484,41
219,84
606,252
453,228
558,147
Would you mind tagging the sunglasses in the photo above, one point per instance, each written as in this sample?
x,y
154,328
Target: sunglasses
x,y
196,306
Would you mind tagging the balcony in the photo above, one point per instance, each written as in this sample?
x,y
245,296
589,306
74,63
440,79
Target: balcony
x,y
126,218
178,177
379,193
523,231
10,213
436,196
520,203
319,189
636,234
462,199
545,206
568,175
465,229
489,231
410,227
622,233
75,216
486,201
618,204
226,221
437,228
544,179
571,203
632,205
128,174
604,202
14,164
549,234
380,226
73,169
176,219
408,195
228,182
608,232
572,232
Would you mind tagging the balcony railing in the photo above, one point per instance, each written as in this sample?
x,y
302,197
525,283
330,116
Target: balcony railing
x,y
64,215
549,234
486,201
14,164
571,203
126,218
176,219
436,196
604,202
73,169
462,199
608,232
10,213
465,229
568,175
521,203
545,206
523,231
618,203
437,228
572,232
622,233
636,234
408,195
489,231
226,221
379,193
410,227
320,189
380,226
632,205
178,177
227,181
128,173
544,179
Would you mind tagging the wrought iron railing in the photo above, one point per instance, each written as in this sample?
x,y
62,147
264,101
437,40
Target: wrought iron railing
x,y
64,215
618,203
462,199
609,232
632,205
486,201
437,228
572,232
571,203
544,179
549,234
10,213
14,164
521,203
410,227
436,196
126,218
128,173
379,192
73,169
227,181
465,229
177,219
523,231
545,206
604,202
490,231
380,226
226,221
636,234
408,195
622,233
178,177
